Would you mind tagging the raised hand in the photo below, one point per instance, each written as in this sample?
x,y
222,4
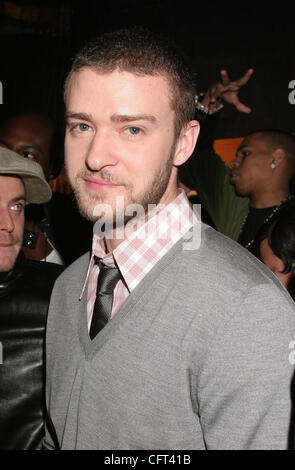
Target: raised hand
x,y
227,90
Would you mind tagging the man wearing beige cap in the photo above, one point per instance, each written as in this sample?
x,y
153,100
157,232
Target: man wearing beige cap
x,y
25,288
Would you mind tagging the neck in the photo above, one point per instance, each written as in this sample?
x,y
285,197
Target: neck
x,y
121,233
268,199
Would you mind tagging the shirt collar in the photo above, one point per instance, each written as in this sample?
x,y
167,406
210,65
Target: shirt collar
x,y
165,228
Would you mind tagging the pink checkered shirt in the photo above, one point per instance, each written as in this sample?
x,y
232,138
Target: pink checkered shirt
x,y
140,251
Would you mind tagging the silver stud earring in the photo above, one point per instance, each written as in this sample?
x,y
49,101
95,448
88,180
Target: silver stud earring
x,y
272,165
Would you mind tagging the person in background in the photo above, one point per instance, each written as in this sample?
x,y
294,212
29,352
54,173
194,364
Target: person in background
x,y
239,201
167,335
275,245
54,231
263,170
25,288
205,172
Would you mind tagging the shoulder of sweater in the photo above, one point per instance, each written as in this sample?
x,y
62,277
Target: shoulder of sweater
x,y
224,262
76,270
222,280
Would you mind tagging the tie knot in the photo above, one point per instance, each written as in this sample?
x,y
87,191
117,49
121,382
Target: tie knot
x,y
107,279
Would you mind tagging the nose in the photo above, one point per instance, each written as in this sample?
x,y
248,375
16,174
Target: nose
x,y
101,152
235,163
6,221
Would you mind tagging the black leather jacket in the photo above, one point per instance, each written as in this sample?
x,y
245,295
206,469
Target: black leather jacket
x,y
24,298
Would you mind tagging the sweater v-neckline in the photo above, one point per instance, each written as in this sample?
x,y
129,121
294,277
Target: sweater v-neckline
x,y
90,347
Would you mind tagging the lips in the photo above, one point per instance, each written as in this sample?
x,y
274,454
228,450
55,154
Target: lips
x,y
5,244
99,184
233,176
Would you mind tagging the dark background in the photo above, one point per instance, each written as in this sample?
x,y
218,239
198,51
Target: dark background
x,y
39,38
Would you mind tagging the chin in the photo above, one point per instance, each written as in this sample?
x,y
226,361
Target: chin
x,y
7,263
86,203
87,210
241,191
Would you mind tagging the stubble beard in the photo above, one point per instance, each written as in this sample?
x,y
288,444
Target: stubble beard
x,y
152,192
7,261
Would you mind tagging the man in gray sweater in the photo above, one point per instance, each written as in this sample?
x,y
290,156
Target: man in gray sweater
x,y
167,335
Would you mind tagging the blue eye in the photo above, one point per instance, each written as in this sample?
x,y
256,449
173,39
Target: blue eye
x,y
134,130
83,127
17,207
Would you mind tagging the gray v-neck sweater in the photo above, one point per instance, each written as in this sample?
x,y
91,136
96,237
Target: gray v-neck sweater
x,y
195,358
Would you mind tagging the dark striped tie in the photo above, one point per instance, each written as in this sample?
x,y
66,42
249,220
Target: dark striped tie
x,y
106,283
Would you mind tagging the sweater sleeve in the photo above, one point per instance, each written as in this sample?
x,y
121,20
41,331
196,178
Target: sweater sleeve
x,y
50,440
206,172
243,387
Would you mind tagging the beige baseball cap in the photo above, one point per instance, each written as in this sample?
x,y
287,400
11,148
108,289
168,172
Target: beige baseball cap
x,y
36,187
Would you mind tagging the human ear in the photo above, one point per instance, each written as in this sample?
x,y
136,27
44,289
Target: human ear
x,y
186,142
278,157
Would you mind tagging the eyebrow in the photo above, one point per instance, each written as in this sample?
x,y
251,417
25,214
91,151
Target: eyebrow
x,y
241,147
82,116
131,118
32,146
115,117
18,198
23,147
